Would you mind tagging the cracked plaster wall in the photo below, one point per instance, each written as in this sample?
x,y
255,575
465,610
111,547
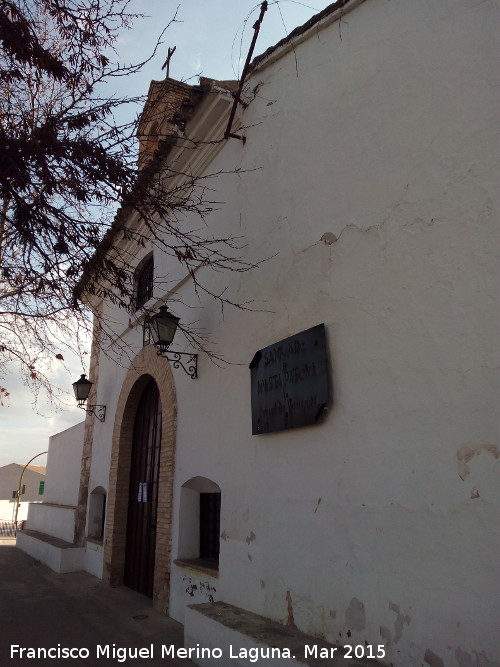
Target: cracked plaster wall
x,y
382,143
368,179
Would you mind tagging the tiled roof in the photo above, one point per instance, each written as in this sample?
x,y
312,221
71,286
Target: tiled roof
x,y
39,469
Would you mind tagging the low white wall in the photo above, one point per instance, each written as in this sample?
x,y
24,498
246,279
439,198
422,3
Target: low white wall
x,y
93,562
192,588
52,520
228,646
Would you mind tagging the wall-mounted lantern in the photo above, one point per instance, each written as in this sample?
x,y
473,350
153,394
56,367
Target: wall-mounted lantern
x,y
159,329
82,389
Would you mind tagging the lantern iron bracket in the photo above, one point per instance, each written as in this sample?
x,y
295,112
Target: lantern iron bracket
x,y
99,411
190,365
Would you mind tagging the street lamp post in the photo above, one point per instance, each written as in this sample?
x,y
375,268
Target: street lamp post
x,y
18,499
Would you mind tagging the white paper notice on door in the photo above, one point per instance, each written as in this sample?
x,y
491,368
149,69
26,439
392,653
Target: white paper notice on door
x,y
142,496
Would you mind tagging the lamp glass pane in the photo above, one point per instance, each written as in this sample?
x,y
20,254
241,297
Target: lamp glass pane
x,y
166,329
82,388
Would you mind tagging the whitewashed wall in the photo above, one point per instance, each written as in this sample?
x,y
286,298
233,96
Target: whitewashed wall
x,y
381,522
8,510
56,514
62,480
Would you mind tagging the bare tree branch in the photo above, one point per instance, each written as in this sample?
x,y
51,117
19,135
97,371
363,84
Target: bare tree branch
x,y
66,168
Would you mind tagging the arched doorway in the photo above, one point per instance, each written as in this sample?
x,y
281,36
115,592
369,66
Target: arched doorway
x,y
143,493
146,366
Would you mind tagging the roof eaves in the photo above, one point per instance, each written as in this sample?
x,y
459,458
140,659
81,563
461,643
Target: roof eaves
x,y
300,30
147,172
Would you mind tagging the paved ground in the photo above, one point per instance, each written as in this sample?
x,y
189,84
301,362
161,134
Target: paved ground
x,y
39,608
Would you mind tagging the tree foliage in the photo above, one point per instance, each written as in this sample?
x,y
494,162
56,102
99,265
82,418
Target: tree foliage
x,y
66,166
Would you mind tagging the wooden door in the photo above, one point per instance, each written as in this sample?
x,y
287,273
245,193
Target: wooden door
x,y
143,495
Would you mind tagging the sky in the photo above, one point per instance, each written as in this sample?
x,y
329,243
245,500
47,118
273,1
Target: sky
x,y
212,38
210,35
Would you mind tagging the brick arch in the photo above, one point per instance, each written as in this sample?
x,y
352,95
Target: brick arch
x,y
146,365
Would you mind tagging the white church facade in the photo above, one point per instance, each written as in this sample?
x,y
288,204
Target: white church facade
x,y
337,473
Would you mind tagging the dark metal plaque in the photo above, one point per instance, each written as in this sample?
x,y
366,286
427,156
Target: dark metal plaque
x,y
290,382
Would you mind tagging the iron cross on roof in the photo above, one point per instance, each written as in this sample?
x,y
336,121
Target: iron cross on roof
x,y
166,64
